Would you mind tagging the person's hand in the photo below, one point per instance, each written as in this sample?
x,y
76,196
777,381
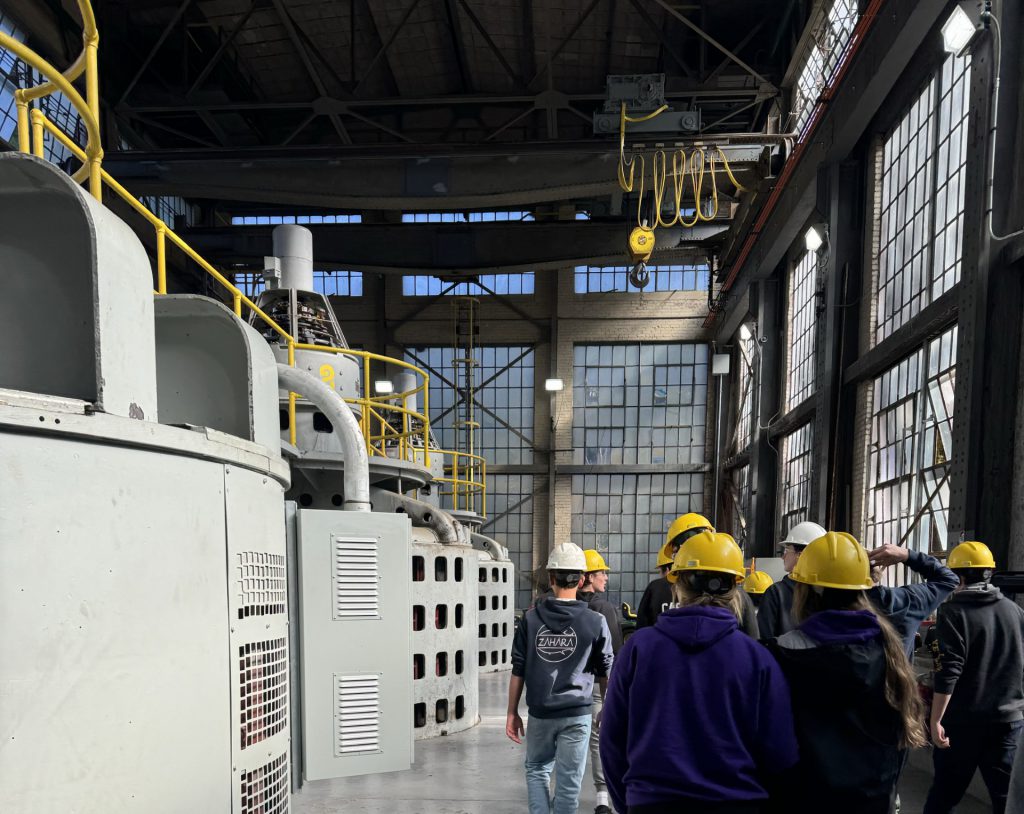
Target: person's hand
x,y
939,735
887,555
514,727
597,719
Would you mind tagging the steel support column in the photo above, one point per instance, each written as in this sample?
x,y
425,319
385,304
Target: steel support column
x,y
764,458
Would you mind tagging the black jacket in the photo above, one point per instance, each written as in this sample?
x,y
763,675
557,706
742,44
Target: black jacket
x,y
656,600
848,734
608,611
773,614
979,657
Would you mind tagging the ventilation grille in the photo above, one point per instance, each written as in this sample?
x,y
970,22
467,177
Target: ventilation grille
x,y
265,790
263,672
357,714
356,579
261,584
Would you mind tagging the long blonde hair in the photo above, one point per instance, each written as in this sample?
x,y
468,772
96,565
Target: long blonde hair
x,y
730,600
901,692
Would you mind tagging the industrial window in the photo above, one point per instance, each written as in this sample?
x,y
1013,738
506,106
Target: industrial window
x,y
331,283
639,404
801,284
602,279
16,74
510,522
795,477
922,173
911,445
739,493
743,432
625,517
302,220
464,217
169,208
826,52
423,285
502,405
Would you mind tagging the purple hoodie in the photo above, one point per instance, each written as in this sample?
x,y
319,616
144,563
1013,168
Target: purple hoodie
x,y
696,710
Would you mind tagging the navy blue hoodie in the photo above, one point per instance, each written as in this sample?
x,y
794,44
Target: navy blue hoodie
x,y
907,606
558,649
696,711
836,667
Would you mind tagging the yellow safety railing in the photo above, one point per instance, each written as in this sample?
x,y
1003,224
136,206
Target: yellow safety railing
x,y
390,428
466,476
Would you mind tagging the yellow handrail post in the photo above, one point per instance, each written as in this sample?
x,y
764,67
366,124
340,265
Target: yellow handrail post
x,y
24,145
237,299
37,132
291,396
426,422
483,480
161,259
366,404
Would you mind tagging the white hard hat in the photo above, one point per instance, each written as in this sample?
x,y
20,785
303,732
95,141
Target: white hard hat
x,y
567,557
803,534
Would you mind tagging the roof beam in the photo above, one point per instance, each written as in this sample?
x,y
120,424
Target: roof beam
x,y
516,78
703,34
459,46
565,41
307,62
666,43
384,46
153,51
221,50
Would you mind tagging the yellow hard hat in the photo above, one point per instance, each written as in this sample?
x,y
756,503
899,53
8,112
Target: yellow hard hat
x,y
709,551
757,582
687,522
595,562
971,555
836,560
665,555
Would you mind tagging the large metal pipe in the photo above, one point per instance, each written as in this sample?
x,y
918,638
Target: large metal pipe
x,y
353,447
448,530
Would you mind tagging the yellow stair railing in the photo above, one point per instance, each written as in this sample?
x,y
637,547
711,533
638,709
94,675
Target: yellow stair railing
x,y
390,427
466,476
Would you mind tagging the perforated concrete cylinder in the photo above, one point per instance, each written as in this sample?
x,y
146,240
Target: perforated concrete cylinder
x,y
444,621
495,604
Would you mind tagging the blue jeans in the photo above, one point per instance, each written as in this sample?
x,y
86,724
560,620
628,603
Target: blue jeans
x,y
559,743
987,747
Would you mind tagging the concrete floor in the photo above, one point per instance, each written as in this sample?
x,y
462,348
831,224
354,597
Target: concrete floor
x,y
481,772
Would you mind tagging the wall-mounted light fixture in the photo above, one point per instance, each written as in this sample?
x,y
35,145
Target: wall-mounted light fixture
x,y
553,385
962,26
383,387
814,237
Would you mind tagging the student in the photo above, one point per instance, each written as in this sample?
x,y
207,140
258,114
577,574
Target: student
x,y
657,597
756,583
595,586
978,703
907,606
697,715
773,617
558,649
855,697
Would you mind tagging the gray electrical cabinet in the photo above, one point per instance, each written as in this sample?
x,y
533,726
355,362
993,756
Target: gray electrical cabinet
x,y
355,640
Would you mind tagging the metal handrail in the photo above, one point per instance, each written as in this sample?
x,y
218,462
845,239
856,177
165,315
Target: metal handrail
x,y
380,435
467,474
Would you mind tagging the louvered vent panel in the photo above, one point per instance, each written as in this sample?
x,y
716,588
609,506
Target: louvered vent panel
x,y
356,579
265,790
357,714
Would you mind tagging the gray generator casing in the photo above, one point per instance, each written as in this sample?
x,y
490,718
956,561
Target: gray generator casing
x,y
444,620
496,603
355,642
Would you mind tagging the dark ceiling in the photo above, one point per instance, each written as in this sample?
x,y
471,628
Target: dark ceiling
x,y
293,74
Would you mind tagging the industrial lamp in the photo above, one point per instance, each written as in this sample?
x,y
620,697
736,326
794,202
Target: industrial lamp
x,y
745,332
960,28
553,385
383,387
814,237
